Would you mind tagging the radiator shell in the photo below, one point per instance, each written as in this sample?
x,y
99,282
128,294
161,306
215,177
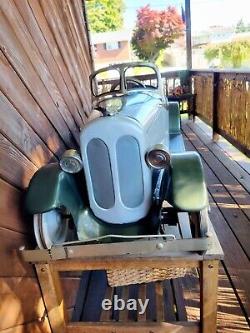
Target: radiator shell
x,y
120,186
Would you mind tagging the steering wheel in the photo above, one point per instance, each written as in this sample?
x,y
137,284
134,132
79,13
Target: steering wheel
x,y
131,83
113,93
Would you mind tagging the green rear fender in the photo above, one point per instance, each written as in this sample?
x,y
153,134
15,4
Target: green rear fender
x,y
51,188
189,192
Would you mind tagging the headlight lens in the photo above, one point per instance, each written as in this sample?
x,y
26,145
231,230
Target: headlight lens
x,y
71,161
158,157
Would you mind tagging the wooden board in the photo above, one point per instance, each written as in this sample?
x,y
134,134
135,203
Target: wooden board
x,y
43,106
95,294
15,168
12,264
233,106
54,19
238,263
57,102
242,176
133,328
23,101
34,327
232,197
21,301
53,46
11,209
203,88
229,150
14,51
81,296
70,286
165,301
40,41
17,130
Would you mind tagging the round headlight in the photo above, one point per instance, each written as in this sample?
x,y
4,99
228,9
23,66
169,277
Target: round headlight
x,y
71,161
158,157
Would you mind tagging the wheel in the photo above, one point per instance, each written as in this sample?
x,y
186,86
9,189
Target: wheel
x,y
51,228
199,223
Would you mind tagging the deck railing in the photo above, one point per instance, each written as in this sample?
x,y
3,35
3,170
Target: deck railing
x,y
222,100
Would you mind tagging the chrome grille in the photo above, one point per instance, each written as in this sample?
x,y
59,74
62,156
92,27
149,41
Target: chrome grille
x,y
100,172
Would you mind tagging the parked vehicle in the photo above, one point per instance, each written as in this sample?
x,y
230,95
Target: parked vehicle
x,y
131,174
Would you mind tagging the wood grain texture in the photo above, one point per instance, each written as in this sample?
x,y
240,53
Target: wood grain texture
x,y
140,327
203,88
232,199
44,102
235,259
209,283
11,209
11,263
33,327
61,32
52,295
232,104
19,28
15,52
41,44
18,131
23,297
15,168
53,46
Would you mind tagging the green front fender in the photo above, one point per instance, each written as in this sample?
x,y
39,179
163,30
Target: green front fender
x,y
51,188
189,192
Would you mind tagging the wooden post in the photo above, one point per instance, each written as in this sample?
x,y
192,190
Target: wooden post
x,y
208,295
52,295
188,34
215,105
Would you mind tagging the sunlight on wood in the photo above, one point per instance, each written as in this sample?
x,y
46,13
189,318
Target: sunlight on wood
x,y
14,293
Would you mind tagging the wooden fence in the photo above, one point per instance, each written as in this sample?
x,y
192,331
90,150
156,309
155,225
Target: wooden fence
x,y
44,100
223,101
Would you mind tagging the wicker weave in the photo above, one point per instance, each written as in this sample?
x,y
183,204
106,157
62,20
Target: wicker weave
x,y
123,277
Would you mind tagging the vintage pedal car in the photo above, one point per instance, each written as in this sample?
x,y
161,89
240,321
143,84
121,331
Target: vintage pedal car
x,y
132,160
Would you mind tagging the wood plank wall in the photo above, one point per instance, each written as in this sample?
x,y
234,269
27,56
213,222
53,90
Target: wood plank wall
x,y
44,101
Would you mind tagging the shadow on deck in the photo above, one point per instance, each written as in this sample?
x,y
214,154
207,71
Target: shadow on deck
x,y
228,181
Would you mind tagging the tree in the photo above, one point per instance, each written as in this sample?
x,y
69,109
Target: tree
x,y
232,53
155,30
240,27
105,15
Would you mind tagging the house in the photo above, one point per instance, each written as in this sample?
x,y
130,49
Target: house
x,y
111,47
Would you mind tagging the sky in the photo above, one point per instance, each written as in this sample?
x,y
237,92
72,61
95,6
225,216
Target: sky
x,y
204,12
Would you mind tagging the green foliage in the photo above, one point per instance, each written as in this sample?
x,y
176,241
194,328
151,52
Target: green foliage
x,y
155,30
242,27
230,54
212,53
105,15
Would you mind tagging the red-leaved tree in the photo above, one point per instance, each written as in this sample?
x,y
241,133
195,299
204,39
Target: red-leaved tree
x,y
155,30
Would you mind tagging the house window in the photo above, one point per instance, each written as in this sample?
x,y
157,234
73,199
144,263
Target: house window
x,y
110,46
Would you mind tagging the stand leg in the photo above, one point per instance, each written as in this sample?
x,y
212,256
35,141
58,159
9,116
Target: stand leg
x,y
51,290
209,286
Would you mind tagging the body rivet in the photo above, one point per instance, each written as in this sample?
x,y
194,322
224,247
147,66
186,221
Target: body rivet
x,y
159,246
